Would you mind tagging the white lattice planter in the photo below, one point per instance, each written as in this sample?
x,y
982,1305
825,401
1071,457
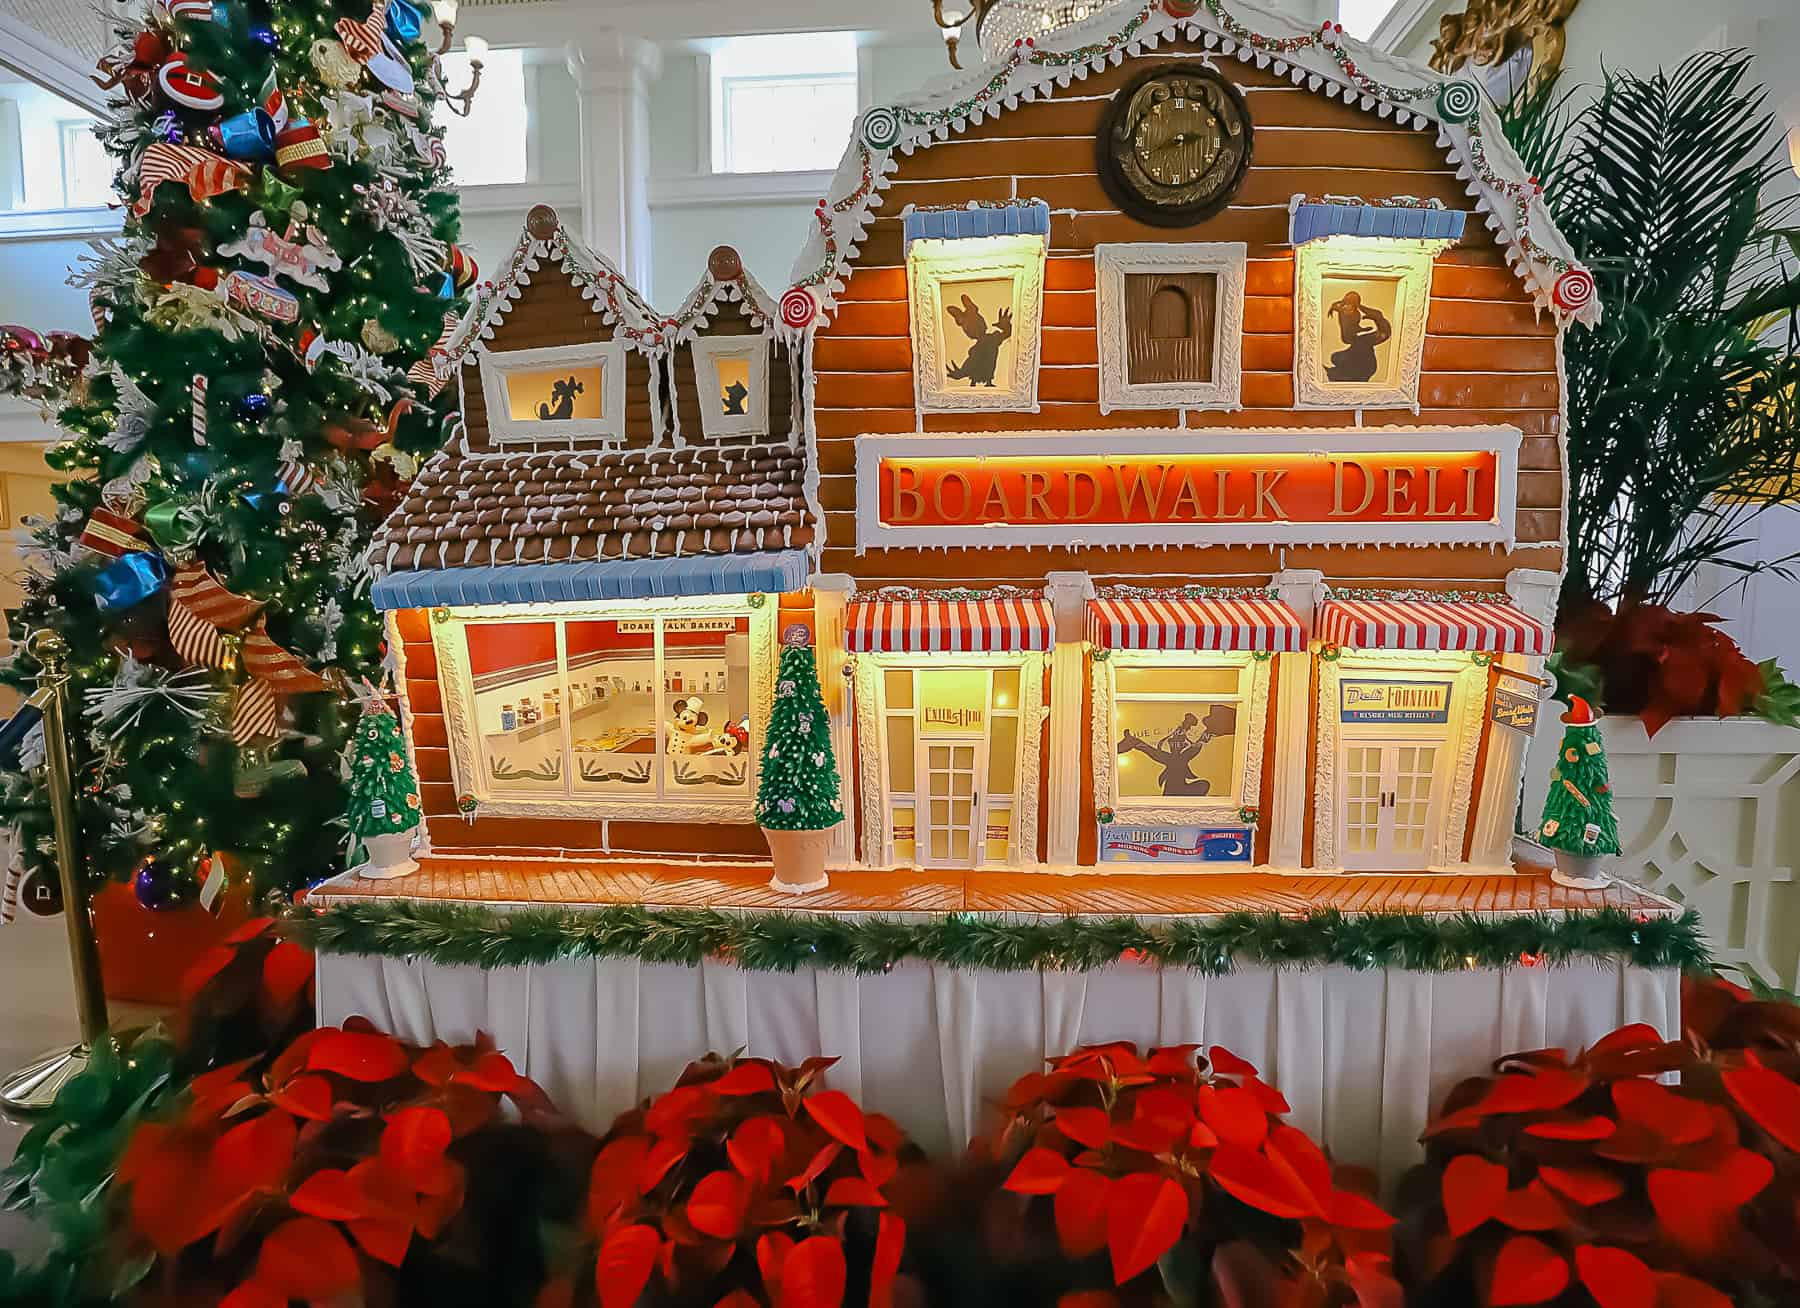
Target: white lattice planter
x,y
1709,815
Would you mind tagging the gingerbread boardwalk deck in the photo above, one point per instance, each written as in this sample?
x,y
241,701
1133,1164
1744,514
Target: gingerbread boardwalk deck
x,y
567,883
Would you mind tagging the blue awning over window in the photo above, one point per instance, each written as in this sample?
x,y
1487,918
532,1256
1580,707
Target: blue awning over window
x,y
1030,219
1313,220
769,571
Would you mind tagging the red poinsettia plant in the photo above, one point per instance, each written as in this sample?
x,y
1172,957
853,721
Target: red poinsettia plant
x,y
1588,1180
1657,664
1181,1171
747,1184
309,1178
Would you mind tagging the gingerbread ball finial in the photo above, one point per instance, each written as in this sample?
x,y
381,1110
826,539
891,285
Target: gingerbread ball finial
x,y
542,222
724,264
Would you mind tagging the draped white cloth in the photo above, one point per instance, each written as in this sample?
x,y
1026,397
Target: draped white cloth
x,y
1361,1056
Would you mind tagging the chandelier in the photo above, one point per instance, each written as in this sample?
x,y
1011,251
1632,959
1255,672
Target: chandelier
x,y
998,24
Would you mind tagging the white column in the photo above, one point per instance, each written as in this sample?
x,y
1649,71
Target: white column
x,y
1068,593
1497,806
1302,590
831,600
613,73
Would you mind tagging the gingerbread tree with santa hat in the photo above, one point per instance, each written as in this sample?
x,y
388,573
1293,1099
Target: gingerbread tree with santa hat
x,y
1578,820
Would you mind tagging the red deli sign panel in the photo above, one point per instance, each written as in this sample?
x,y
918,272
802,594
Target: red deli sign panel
x,y
1277,496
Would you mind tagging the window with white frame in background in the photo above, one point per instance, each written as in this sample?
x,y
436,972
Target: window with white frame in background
x,y
782,103
1361,17
490,146
50,158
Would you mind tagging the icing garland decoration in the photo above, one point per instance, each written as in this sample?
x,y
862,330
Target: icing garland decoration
x,y
1186,592
956,594
461,934
1417,595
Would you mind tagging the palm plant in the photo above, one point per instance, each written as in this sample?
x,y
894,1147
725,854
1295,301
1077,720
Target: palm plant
x,y
1683,407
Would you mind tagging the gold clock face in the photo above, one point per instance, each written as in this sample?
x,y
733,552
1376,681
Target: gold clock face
x,y
1176,145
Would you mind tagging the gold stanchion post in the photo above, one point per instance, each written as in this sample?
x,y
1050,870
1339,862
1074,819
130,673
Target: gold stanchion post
x,y
34,1088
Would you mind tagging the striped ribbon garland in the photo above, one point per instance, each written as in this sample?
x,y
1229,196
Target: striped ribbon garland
x,y
272,665
362,40
204,173
255,713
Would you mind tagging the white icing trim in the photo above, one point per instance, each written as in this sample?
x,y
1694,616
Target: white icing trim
x,y
504,429
1407,262
706,351
1227,260
932,263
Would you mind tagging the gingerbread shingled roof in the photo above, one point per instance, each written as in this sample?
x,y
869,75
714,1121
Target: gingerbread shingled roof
x,y
472,510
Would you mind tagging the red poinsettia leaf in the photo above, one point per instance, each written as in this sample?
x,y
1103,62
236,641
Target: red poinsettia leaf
x,y
1202,1136
663,1156
1769,1099
253,1155
287,971
613,1179
1586,1186
853,1192
623,1267
1271,1099
203,969
307,1258
1352,1211
332,1194
1299,1151
750,1077
1172,1060
168,1173
877,1169
771,1254
1088,1126
675,1112
1669,1116
1253,1178
738,1299
813,1274
1166,1105
1628,1039
1040,1171
884,1133
756,1146
493,1072
307,1096
1699,1210
1372,1280
1527,1271
1149,1136
437,1065
840,1118
142,1151
1234,1115
1674,1290
382,1238
890,1244
1573,1128
387,1194
717,1205
214,1090
1088,1299
414,1140
1226,1063
1530,1208
358,1055
254,1294
1539,1090
249,931
1472,1190
1616,1278
1081,1212
1465,1119
816,1168
1144,1217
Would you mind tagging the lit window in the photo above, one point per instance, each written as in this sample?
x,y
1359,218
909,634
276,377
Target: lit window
x,y
782,103
49,156
1361,17
489,147
1176,731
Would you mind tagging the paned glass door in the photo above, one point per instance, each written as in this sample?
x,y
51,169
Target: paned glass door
x,y
1388,803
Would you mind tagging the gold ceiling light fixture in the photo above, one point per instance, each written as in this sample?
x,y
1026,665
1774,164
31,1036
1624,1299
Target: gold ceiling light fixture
x,y
459,102
998,24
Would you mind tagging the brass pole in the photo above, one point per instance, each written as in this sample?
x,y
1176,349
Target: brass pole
x,y
34,1088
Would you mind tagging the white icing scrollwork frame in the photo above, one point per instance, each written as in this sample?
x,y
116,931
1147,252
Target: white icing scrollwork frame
x,y
498,367
458,689
707,352
1253,686
1407,263
1226,260
932,263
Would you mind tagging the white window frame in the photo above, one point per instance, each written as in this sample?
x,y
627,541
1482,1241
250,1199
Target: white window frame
x,y
1407,262
1227,262
504,429
931,263
707,352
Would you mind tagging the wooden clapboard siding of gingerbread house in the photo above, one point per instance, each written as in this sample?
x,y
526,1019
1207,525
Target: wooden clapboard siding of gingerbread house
x,y
1489,356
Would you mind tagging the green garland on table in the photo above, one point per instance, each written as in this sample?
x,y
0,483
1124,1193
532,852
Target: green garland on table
x,y
785,942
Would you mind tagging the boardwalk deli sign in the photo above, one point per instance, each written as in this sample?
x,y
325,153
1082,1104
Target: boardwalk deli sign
x,y
1390,486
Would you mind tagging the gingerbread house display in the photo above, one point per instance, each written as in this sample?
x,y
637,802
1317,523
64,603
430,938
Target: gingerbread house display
x,y
1161,438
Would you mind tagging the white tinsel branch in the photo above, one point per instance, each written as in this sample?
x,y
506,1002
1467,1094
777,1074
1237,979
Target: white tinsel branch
x,y
140,686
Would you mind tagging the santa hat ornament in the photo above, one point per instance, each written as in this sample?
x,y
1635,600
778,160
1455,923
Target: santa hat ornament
x,y
1580,714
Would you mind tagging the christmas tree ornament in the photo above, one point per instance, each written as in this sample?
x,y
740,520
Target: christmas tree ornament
x,y
254,406
263,33
41,892
274,196
188,87
159,887
461,266
204,173
1578,822
389,68
301,254
132,65
111,534
299,145
129,581
194,11
334,65
379,338
797,794
404,22
175,256
258,294
255,771
249,136
384,806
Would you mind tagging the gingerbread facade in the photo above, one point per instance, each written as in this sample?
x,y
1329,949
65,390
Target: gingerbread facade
x,y
1164,448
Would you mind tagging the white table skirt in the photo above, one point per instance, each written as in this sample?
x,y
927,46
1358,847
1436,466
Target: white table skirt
x,y
1361,1056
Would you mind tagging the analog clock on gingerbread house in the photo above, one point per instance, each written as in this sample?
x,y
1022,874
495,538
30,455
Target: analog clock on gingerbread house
x,y
1175,145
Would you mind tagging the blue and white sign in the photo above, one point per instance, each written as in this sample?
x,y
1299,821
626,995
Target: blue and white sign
x,y
1415,702
1122,843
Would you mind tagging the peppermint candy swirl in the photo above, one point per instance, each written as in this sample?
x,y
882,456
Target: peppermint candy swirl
x,y
798,308
1458,101
1574,290
881,128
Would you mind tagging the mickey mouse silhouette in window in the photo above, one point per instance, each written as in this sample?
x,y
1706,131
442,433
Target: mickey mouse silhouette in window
x,y
1176,751
1356,362
983,362
733,400
563,393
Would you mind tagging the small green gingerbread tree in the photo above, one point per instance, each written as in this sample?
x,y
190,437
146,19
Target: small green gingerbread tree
x,y
384,794
1578,812
799,786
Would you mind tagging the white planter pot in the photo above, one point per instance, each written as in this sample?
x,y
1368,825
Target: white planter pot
x,y
390,856
1709,815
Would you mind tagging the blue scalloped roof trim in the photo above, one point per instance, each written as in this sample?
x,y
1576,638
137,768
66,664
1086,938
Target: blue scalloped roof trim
x,y
960,224
1399,222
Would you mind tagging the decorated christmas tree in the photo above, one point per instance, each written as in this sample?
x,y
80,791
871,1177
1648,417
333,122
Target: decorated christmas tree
x,y
1578,811
384,793
267,370
799,786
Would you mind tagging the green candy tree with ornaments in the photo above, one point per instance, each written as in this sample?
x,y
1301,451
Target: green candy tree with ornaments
x,y
797,794
1578,822
384,795
268,369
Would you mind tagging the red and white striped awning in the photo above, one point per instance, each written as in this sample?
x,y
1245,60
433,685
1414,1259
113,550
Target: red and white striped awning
x,y
1250,624
1431,625
995,626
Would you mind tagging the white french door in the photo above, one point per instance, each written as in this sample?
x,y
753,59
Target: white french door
x,y
1389,803
951,822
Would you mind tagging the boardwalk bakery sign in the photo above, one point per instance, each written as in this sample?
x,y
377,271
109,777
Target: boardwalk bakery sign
x,y
1383,486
